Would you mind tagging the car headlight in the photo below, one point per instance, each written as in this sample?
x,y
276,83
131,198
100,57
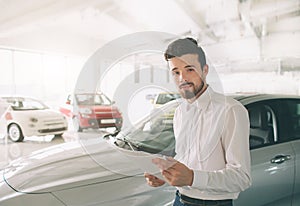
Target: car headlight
x,y
33,119
85,111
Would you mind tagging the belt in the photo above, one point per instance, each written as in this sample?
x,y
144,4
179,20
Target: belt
x,y
190,200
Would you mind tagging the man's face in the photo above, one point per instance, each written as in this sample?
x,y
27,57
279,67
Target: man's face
x,y
188,75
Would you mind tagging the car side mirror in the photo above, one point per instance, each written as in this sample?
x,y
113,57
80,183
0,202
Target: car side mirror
x,y
113,102
68,102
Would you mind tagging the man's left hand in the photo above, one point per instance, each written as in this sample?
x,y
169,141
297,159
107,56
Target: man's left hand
x,y
174,172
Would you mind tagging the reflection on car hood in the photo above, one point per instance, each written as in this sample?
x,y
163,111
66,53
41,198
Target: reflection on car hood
x,y
68,165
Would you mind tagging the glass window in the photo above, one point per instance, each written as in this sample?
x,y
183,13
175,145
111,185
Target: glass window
x,y
153,134
166,97
293,110
263,123
286,118
25,104
92,99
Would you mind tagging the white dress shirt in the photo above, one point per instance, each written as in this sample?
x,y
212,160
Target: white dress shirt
x,y
212,138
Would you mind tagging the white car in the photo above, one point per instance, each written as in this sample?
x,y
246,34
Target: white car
x,y
30,117
94,172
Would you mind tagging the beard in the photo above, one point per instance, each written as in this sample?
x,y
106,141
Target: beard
x,y
190,94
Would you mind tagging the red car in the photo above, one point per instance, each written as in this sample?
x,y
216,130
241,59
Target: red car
x,y
92,110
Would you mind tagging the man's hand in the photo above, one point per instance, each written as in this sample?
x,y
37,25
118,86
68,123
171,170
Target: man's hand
x,y
153,181
174,172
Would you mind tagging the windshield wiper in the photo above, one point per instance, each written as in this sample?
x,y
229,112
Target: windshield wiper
x,y
107,136
128,142
123,140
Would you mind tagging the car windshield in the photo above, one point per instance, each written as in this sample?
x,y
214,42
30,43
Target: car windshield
x,y
92,99
25,104
154,133
164,98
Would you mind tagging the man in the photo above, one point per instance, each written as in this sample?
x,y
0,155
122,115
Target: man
x,y
212,162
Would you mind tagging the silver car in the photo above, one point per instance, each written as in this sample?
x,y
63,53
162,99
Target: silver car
x,y
95,172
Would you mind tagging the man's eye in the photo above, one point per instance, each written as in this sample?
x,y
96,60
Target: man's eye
x,y
175,73
190,69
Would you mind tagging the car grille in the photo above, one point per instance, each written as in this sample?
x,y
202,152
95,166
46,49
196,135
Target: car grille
x,y
53,122
104,112
52,130
53,125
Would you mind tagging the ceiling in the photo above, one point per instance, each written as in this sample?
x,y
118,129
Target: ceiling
x,y
229,30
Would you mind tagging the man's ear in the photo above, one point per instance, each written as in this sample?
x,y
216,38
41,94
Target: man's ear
x,y
205,70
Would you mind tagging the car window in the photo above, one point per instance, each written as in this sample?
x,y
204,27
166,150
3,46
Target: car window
x,y
154,134
164,98
92,99
290,113
263,130
274,121
25,104
294,108
102,100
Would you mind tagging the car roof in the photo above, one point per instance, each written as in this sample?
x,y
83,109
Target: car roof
x,y
15,97
249,98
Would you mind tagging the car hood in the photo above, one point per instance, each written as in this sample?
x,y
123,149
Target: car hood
x,y
43,114
69,165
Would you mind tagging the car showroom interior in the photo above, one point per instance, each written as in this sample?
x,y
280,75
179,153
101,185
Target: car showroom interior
x,y
87,98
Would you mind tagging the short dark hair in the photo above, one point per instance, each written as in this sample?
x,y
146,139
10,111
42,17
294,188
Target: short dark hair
x,y
184,46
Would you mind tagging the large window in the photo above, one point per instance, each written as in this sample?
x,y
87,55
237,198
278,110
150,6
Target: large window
x,y
49,77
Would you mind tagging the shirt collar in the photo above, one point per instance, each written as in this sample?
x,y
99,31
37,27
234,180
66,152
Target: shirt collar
x,y
203,100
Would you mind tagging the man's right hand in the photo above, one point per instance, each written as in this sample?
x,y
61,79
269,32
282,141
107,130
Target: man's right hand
x,y
153,181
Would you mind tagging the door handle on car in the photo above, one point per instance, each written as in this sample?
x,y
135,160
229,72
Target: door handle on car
x,y
280,159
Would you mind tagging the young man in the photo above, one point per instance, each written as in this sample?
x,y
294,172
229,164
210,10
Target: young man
x,y
212,162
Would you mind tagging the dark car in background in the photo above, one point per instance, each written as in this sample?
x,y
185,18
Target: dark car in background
x,y
92,110
84,175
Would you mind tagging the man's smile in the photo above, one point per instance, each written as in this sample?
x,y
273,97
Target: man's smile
x,y
186,85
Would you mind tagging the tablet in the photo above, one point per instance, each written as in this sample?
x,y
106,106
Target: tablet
x,y
143,160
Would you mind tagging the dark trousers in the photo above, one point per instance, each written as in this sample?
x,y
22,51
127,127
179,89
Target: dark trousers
x,y
182,200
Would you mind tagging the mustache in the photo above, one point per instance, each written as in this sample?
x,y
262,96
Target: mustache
x,y
185,84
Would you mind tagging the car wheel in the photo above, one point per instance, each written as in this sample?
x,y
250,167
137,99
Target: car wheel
x,y
15,133
76,125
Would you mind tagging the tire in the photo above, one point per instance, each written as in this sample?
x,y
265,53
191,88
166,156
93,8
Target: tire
x,y
76,125
15,133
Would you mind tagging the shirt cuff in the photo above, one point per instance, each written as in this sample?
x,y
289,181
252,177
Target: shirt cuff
x,y
200,179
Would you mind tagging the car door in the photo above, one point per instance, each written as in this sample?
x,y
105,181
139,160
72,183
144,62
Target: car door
x,y
293,115
296,195
272,157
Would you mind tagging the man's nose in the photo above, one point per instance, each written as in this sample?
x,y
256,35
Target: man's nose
x,y
182,77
